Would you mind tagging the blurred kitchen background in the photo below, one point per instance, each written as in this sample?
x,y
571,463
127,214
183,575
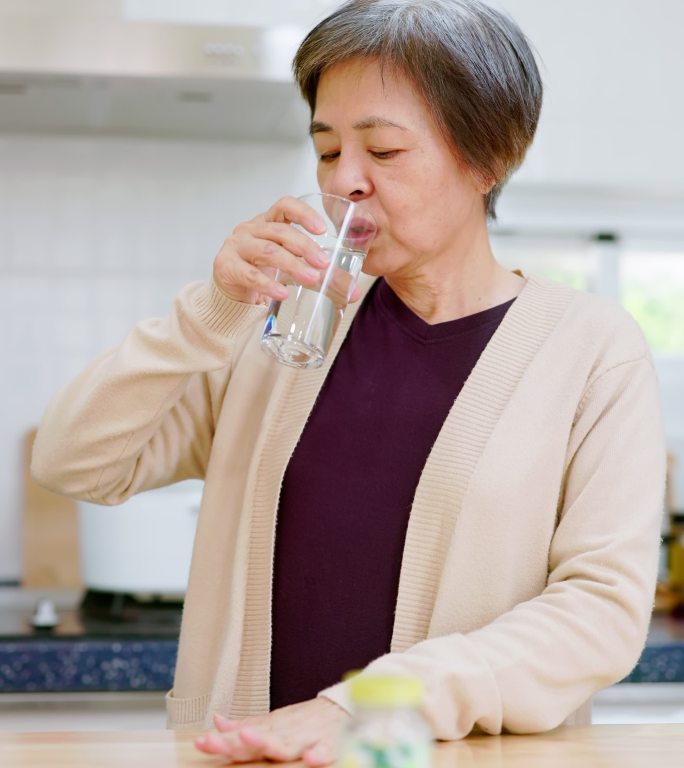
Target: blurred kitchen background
x,y
134,135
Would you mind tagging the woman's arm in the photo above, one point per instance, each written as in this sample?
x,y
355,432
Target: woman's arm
x,y
142,415
533,666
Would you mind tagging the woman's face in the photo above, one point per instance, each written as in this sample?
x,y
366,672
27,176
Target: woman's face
x,y
377,142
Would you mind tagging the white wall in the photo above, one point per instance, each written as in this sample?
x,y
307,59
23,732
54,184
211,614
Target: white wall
x,y
96,234
613,107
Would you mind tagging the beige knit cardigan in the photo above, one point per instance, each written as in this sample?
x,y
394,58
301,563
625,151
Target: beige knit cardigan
x,y
530,559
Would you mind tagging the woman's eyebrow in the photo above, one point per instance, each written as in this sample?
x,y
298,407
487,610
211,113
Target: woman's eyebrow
x,y
362,125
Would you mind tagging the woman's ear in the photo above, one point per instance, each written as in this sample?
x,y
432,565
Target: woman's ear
x,y
484,183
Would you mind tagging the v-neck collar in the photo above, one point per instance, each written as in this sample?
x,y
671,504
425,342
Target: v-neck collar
x,y
395,310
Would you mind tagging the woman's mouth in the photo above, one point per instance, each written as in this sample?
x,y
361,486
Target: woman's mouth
x,y
361,232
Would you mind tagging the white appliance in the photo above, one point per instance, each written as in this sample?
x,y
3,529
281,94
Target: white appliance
x,y
142,546
85,67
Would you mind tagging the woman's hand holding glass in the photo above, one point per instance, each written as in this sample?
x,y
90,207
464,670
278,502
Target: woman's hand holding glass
x,y
246,265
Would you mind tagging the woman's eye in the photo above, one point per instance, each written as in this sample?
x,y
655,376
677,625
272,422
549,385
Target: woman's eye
x,y
385,155
328,157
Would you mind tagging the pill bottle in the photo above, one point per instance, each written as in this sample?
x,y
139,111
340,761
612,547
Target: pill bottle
x,y
386,729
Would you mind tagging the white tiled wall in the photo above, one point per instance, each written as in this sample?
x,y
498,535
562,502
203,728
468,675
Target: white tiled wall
x,y
95,234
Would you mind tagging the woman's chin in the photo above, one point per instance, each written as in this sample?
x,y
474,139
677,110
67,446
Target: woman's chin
x,y
376,264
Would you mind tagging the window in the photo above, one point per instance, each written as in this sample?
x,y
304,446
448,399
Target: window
x,y
646,277
564,259
652,289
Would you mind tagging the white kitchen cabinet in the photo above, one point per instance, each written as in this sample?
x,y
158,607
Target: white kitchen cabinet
x,y
631,703
302,13
613,112
24,712
623,703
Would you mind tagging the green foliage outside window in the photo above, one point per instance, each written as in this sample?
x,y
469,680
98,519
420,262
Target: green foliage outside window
x,y
652,288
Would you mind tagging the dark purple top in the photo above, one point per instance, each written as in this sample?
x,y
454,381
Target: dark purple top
x,y
348,489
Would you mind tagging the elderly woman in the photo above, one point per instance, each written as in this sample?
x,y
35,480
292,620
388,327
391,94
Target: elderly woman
x,y
468,491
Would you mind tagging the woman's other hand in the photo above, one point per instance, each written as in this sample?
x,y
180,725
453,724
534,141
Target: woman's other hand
x,y
308,731
245,266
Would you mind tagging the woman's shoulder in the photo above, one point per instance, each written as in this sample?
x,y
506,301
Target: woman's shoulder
x,y
596,324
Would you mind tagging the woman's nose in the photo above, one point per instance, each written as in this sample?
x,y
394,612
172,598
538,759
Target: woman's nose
x,y
350,180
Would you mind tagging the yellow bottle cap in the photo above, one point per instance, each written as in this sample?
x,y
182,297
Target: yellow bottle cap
x,y
386,691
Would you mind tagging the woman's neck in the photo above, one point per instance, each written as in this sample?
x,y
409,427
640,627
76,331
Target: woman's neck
x,y
439,290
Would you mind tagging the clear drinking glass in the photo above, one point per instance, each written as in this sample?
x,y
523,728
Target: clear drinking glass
x,y
299,329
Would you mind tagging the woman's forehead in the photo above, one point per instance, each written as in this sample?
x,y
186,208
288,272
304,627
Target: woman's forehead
x,y
368,95
369,73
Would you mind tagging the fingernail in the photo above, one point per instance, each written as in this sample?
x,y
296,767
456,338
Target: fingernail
x,y
316,225
311,273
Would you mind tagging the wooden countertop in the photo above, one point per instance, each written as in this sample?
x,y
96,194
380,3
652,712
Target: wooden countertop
x,y
599,746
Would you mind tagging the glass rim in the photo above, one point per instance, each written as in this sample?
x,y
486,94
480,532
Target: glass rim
x,y
326,194
352,203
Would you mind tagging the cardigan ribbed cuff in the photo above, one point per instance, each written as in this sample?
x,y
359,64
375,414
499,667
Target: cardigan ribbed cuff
x,y
186,712
223,314
338,694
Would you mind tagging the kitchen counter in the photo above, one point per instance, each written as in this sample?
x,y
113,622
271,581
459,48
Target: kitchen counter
x,y
90,655
662,660
83,654
603,746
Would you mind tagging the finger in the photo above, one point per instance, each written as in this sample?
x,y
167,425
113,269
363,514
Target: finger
x,y
275,746
228,745
212,744
223,724
292,240
266,254
256,280
339,287
252,737
283,750
291,210
355,294
318,755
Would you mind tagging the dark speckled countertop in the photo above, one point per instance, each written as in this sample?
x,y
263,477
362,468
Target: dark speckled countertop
x,y
662,660
82,654
87,655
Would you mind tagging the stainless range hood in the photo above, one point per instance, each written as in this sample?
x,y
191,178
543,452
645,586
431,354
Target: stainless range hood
x,y
103,74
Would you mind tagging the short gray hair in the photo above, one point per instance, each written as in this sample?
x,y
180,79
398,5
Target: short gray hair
x,y
472,64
